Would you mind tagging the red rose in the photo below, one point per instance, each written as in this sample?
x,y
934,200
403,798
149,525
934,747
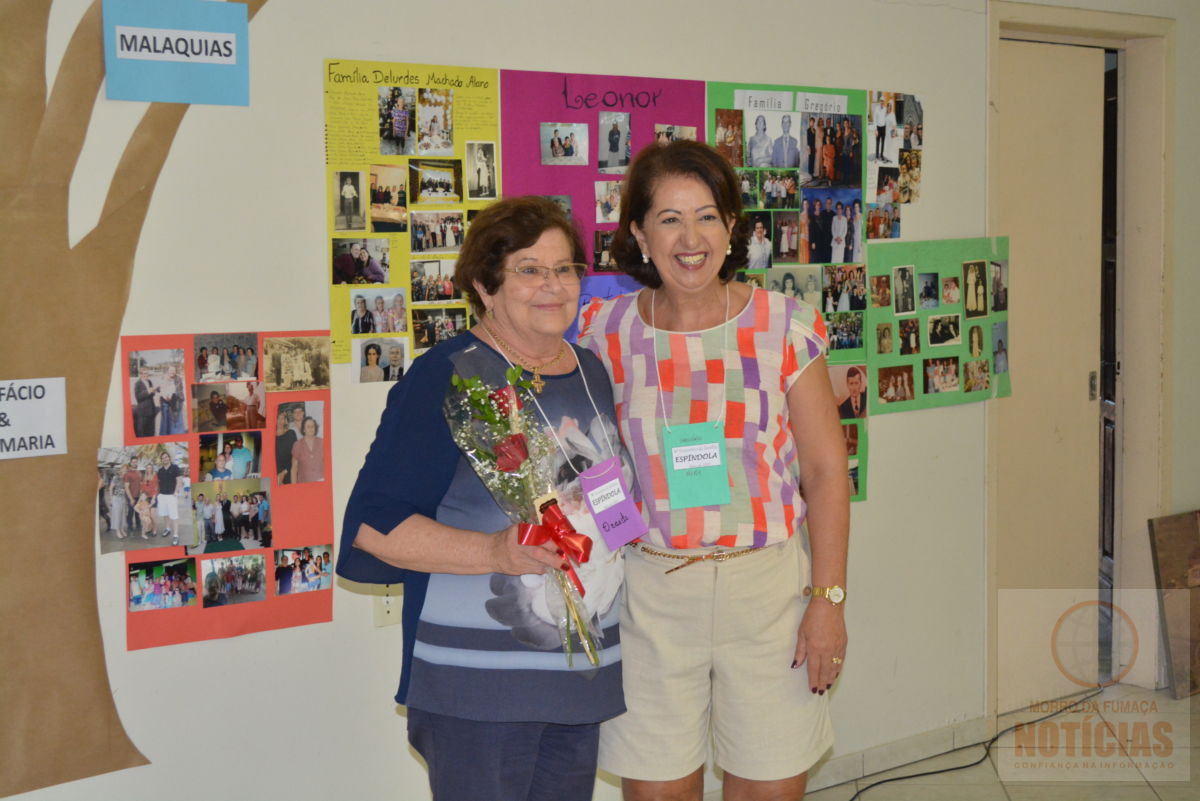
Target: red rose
x,y
511,453
503,398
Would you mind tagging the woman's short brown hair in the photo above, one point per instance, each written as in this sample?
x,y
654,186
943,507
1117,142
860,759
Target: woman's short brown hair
x,y
687,159
501,229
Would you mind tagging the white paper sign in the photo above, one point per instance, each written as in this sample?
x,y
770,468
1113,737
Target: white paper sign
x,y
762,100
33,417
821,104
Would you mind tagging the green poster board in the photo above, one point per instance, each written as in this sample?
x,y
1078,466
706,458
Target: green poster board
x,y
937,324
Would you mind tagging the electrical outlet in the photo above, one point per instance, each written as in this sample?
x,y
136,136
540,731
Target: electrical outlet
x,y
387,606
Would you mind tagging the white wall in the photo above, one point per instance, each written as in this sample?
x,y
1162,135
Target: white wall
x,y
235,240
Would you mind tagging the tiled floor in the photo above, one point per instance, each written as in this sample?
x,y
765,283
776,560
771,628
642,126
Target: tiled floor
x,y
982,782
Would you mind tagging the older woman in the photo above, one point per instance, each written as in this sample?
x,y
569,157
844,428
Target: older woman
x,y
758,147
494,706
308,454
396,315
361,319
728,629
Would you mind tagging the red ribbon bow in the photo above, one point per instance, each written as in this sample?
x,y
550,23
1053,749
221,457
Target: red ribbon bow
x,y
557,528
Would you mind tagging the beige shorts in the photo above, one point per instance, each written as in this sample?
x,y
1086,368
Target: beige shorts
x,y
707,651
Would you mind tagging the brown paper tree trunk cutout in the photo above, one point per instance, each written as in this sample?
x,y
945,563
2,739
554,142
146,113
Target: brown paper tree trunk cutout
x,y
58,720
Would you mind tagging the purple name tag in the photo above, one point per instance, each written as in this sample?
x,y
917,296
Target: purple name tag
x,y
607,497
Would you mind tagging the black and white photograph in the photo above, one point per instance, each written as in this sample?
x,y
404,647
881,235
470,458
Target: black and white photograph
x,y
615,144
361,261
831,150
436,231
389,198
296,363
896,384
380,359
378,311
975,288
140,492
564,143
481,170
999,286
432,281
803,283
431,326
397,121
228,580
975,339
904,292
435,181
943,329
157,402
941,375
608,201
754,278
348,206
435,122
230,514
772,138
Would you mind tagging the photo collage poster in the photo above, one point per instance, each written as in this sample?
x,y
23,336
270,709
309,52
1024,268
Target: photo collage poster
x,y
799,155
937,327
220,493
412,152
894,145
571,137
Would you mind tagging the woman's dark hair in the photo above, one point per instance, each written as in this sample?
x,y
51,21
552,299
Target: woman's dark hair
x,y
686,159
372,347
501,229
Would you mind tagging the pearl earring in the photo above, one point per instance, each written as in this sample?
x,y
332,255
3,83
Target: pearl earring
x,y
729,249
645,259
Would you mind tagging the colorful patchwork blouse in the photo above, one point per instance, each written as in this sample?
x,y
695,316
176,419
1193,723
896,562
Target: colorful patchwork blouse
x,y
748,370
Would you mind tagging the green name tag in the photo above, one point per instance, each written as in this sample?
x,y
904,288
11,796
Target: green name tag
x,y
694,458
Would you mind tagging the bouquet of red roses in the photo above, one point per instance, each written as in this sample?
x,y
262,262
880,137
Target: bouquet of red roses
x,y
512,454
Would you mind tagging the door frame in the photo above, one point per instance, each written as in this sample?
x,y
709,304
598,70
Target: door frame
x,y
1145,166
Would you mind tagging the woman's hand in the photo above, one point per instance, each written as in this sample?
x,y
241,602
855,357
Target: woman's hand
x,y
514,559
822,637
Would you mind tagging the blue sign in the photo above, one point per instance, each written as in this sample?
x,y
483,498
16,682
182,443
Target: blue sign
x,y
177,51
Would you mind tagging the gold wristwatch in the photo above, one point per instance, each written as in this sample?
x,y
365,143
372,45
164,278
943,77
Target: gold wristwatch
x,y
835,594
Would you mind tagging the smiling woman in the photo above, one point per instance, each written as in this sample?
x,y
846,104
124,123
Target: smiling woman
x,y
486,679
727,409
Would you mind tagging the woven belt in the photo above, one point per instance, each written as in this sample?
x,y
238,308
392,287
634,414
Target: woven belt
x,y
713,556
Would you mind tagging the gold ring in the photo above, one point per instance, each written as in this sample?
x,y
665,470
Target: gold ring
x,y
837,660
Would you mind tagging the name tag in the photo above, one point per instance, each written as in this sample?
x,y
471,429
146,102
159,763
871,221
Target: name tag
x,y
695,465
607,497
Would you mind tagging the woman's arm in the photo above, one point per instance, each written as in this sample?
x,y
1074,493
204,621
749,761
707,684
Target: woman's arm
x,y
421,543
825,483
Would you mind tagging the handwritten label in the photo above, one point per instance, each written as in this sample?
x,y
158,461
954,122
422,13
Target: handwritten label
x,y
33,417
